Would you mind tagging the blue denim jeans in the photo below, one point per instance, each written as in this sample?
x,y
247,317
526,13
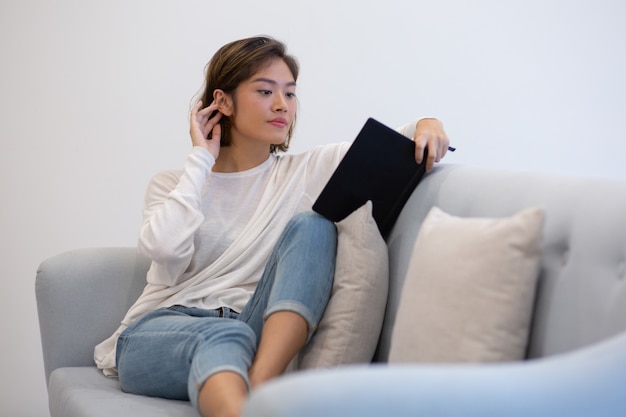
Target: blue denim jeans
x,y
170,352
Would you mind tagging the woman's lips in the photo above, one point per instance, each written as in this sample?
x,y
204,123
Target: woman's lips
x,y
278,122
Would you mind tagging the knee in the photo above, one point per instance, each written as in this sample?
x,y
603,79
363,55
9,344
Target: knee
x,y
235,332
312,222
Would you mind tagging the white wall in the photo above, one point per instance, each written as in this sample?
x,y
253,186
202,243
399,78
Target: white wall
x,y
94,99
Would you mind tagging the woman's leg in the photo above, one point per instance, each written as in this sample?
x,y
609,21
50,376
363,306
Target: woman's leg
x,y
284,334
292,294
222,395
283,312
170,353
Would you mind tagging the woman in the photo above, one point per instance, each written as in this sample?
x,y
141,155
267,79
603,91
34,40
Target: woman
x,y
241,268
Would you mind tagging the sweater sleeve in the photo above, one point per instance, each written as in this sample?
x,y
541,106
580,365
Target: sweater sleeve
x,y
408,129
172,215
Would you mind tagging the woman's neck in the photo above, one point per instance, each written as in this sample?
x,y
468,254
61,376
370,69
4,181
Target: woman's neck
x,y
235,159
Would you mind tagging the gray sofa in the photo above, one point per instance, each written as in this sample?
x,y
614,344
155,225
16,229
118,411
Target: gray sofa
x,y
576,354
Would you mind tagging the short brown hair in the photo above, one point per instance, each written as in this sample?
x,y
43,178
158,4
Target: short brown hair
x,y
238,61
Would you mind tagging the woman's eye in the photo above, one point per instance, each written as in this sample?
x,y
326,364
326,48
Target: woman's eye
x,y
291,95
265,92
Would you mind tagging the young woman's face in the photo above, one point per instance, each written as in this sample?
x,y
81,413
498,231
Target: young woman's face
x,y
265,106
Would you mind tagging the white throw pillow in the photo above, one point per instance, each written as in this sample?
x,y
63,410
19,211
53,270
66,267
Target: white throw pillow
x,y
469,290
350,328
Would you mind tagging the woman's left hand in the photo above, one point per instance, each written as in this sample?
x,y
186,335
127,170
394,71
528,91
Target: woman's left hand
x,y
429,134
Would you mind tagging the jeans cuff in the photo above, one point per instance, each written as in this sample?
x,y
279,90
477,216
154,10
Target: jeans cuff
x,y
197,383
294,307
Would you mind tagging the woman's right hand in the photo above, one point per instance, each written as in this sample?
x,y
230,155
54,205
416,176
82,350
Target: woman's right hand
x,y
206,131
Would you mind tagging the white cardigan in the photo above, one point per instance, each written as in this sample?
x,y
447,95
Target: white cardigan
x,y
177,220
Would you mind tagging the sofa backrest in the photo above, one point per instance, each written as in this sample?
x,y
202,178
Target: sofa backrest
x,y
581,295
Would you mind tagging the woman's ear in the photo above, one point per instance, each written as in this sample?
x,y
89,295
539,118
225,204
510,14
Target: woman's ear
x,y
224,102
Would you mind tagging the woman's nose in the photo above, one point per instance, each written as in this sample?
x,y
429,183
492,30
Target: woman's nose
x,y
280,104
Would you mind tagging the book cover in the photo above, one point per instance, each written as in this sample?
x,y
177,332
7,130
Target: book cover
x,y
379,166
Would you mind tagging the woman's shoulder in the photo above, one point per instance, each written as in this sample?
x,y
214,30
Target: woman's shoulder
x,y
331,149
329,154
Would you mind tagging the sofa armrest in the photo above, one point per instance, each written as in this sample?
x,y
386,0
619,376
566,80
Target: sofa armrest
x,y
586,382
82,295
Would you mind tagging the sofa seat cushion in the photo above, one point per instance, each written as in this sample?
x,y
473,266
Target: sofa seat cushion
x,y
86,392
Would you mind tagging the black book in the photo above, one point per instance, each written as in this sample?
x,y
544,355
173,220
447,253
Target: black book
x,y
380,167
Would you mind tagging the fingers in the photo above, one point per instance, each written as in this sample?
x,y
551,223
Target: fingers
x,y
204,127
431,154
216,132
427,144
213,121
201,115
419,149
430,136
201,119
209,124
